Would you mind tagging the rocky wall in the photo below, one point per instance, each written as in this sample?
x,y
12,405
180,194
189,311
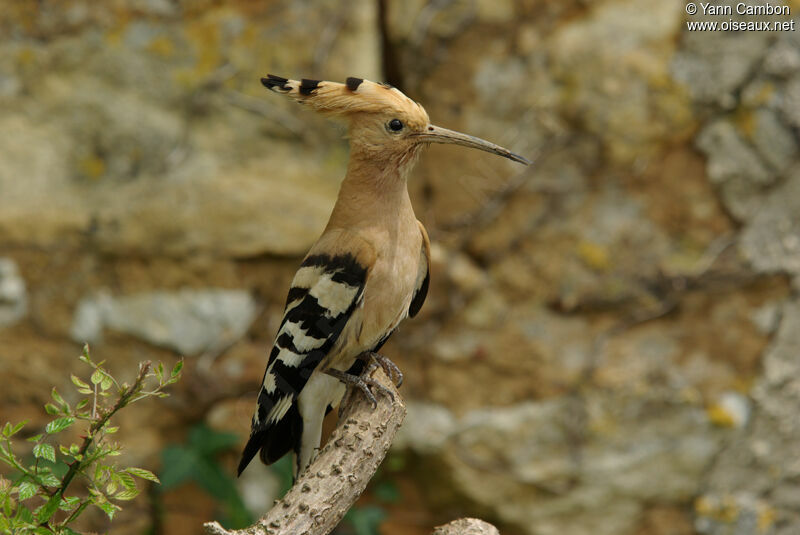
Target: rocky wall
x,y
610,342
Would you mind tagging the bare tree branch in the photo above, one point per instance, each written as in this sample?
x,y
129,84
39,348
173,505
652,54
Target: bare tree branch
x,y
328,488
323,493
466,526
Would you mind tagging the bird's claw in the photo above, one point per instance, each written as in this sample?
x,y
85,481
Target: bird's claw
x,y
363,384
391,369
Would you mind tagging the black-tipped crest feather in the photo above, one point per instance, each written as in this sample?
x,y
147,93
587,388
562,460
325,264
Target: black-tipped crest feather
x,y
271,82
353,83
308,86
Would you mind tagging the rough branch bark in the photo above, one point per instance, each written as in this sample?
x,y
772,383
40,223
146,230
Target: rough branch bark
x,y
466,526
323,494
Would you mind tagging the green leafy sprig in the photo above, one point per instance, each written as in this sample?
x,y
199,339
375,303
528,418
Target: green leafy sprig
x,y
37,490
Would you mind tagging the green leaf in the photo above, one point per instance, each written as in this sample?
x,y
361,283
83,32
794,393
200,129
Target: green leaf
x,y
24,515
49,480
51,409
45,512
45,451
69,503
41,530
17,427
106,383
69,531
126,480
97,376
80,384
127,494
143,474
35,438
82,403
176,370
57,397
110,429
11,430
59,424
109,509
26,489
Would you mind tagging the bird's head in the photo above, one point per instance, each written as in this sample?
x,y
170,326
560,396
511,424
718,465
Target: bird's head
x,y
384,124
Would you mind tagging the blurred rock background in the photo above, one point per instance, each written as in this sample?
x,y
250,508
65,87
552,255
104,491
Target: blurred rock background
x,y
612,340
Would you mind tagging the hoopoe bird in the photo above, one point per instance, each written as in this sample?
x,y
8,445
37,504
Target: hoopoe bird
x,y
369,270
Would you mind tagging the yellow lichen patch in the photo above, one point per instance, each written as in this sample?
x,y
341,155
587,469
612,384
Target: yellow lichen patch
x,y
92,166
26,56
728,511
766,518
763,96
594,255
603,424
724,510
161,46
690,395
745,122
743,385
703,506
720,416
205,37
114,35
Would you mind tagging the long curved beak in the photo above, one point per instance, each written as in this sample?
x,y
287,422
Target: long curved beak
x,y
437,134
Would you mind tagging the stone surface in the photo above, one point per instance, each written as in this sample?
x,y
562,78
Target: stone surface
x,y
579,459
13,298
751,488
189,321
771,241
608,342
735,166
131,130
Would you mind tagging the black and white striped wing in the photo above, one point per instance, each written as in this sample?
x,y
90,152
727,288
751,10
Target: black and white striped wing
x,y
324,293
423,274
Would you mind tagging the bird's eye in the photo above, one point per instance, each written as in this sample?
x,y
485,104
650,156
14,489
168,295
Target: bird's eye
x,y
395,125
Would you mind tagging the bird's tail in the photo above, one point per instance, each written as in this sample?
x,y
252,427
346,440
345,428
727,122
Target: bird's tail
x,y
274,439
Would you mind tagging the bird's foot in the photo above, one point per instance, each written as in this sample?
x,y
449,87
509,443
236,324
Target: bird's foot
x,y
390,368
365,384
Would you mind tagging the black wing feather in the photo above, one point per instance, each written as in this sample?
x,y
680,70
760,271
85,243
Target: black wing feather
x,y
275,439
419,296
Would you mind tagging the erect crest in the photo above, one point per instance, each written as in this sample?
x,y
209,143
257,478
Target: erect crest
x,y
356,95
403,123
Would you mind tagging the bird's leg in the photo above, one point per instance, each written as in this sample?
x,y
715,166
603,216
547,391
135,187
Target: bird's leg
x,y
390,368
362,383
